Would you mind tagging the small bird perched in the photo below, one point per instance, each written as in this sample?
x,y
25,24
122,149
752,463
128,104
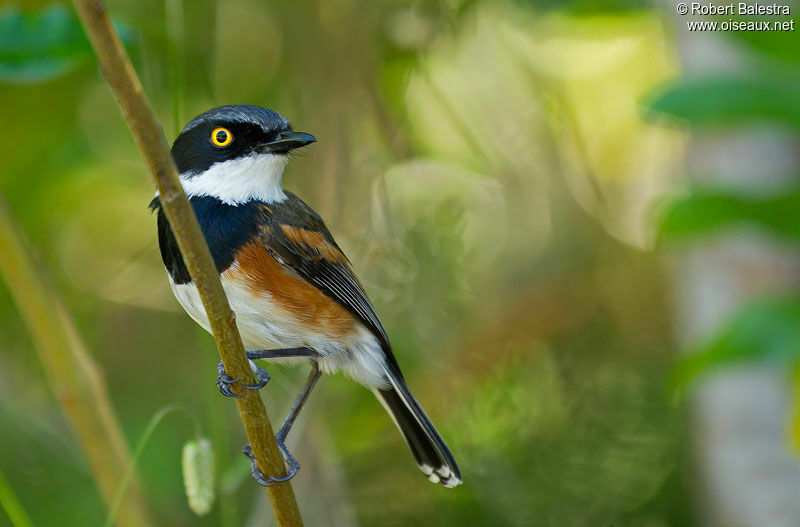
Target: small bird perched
x,y
286,279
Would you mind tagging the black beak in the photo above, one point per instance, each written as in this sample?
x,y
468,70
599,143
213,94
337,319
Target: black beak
x,y
287,141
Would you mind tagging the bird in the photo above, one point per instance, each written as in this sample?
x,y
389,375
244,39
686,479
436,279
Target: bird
x,y
286,279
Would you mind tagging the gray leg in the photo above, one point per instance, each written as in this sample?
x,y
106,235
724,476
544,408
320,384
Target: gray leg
x,y
281,354
280,437
313,377
224,381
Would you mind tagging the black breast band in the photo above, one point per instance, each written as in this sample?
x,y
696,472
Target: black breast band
x,y
226,229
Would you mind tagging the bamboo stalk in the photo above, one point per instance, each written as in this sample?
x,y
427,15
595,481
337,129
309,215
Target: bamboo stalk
x,y
75,378
122,79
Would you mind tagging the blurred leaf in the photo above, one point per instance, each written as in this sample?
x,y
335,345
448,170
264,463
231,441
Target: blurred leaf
x,y
198,475
730,100
41,46
784,45
586,6
766,331
707,210
794,426
10,503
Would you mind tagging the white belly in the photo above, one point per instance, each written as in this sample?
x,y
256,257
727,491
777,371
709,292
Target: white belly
x,y
264,325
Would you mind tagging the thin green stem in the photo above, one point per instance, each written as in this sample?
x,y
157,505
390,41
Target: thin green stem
x,y
137,454
175,34
12,506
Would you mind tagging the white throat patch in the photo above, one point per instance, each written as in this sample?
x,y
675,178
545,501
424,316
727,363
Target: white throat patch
x,y
237,181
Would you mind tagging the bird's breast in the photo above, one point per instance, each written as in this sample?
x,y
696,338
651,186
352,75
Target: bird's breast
x,y
272,305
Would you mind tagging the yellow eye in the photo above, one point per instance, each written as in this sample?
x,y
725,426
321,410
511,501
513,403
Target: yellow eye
x,y
221,136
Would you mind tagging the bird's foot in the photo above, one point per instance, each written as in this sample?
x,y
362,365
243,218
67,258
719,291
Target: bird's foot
x,y
268,481
225,381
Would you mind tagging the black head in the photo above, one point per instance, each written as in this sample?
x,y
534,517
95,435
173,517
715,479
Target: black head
x,y
234,131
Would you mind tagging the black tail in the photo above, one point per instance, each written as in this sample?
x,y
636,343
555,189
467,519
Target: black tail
x,y
433,457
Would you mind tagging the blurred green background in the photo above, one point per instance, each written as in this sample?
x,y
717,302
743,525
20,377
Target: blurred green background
x,y
510,181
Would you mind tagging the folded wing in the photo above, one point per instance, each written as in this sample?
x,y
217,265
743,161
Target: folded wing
x,y
298,239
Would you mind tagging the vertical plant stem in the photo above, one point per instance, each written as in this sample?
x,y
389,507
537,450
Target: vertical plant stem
x,y
175,34
12,506
74,377
122,79
130,471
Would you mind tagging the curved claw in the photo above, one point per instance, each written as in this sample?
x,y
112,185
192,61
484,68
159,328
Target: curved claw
x,y
224,382
268,481
255,386
262,378
225,390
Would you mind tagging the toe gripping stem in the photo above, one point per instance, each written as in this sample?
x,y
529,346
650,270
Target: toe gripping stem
x,y
268,481
225,381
